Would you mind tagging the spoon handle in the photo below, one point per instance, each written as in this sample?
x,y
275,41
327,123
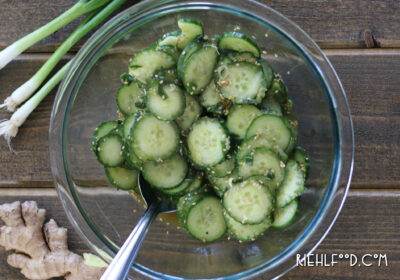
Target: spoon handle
x,y
122,262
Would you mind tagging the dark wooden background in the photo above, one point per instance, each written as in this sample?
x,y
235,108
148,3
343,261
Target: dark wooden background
x,y
362,40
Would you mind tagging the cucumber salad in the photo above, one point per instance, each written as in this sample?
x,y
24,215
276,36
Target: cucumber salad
x,y
209,124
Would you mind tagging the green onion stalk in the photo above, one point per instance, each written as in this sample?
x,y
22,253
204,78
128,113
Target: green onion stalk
x,y
9,128
80,8
29,87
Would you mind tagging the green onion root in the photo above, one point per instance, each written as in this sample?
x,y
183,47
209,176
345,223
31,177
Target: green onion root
x,y
9,128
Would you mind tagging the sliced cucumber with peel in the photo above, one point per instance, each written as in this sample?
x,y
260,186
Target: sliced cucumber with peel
x,y
169,39
248,202
262,162
301,156
273,127
197,71
245,232
102,130
146,63
192,112
154,139
205,220
109,150
166,101
271,106
292,185
122,178
225,168
212,99
221,185
242,82
259,141
129,122
239,42
190,29
130,98
208,142
240,117
285,215
166,174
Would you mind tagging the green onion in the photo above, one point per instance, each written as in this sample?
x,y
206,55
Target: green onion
x,y
9,128
80,8
29,87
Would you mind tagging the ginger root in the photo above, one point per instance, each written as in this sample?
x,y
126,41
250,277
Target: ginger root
x,y
40,255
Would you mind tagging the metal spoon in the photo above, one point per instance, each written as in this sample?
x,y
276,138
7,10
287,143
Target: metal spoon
x,y
122,262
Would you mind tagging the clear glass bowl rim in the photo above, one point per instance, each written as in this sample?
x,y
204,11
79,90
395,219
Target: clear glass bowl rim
x,y
340,112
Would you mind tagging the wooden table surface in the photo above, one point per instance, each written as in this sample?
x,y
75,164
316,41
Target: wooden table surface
x,y
362,40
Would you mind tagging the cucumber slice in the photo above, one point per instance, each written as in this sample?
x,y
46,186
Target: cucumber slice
x,y
182,187
168,76
154,139
213,100
240,117
129,122
167,174
284,216
205,220
166,106
273,127
122,178
301,156
258,141
245,232
271,106
171,50
242,56
118,130
221,185
248,202
208,142
278,90
131,159
193,46
292,185
169,39
109,150
268,72
102,130
189,30
128,97
184,205
264,163
196,185
239,42
225,168
242,82
191,114
197,71
146,62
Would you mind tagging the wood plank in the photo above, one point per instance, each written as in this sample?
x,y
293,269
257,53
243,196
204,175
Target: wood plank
x,y
363,227
367,225
370,80
331,23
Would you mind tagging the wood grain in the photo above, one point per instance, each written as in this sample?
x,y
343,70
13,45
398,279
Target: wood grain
x,y
363,227
370,79
332,24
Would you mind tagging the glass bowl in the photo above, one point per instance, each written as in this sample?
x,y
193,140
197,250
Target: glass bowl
x,y
104,216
